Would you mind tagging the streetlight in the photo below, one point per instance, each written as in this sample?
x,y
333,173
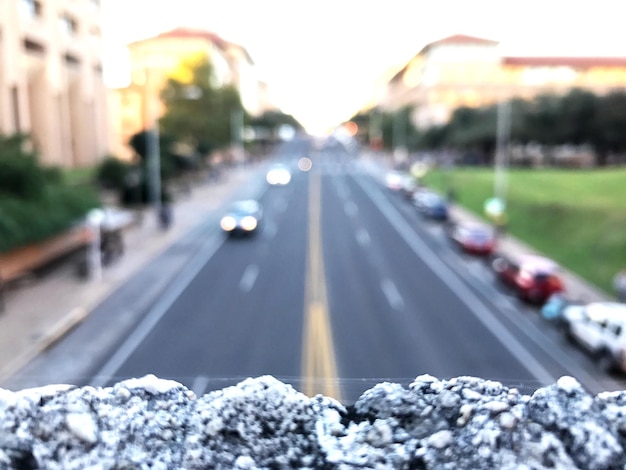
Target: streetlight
x,y
152,143
496,207
236,131
503,133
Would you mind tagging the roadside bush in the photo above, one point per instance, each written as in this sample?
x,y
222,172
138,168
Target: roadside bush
x,y
20,175
35,202
25,221
112,173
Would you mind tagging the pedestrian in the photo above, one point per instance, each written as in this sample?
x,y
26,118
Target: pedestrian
x,y
165,216
619,284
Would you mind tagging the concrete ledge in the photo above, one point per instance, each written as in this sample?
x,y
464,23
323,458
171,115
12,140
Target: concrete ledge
x,y
463,422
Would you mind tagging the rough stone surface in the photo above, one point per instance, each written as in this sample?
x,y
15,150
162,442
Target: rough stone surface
x,y
461,423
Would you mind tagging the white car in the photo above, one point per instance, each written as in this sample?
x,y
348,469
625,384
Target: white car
x,y
242,218
278,175
599,327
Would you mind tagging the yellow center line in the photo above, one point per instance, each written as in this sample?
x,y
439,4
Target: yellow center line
x,y
319,368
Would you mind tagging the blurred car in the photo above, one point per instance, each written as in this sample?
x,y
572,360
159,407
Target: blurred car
x,y
401,182
278,175
554,307
394,180
600,328
473,238
533,278
242,218
431,205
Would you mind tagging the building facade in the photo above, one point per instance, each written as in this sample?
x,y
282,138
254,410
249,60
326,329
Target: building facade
x,y
468,71
51,83
154,60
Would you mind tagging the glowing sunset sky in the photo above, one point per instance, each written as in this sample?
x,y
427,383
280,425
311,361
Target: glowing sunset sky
x,y
320,58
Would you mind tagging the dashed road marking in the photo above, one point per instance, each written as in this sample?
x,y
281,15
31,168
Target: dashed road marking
x,y
351,209
362,237
391,293
249,277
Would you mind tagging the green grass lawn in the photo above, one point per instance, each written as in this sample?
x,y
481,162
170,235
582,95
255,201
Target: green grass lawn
x,y
576,217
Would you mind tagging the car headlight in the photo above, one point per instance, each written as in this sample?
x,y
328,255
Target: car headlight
x,y
249,223
278,177
228,223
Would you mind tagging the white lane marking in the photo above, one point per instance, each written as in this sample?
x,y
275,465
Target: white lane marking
x,y
281,205
476,306
157,312
351,209
248,278
270,230
342,189
363,237
391,293
199,385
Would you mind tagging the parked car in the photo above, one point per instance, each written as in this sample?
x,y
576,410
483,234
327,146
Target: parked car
x,y
533,278
242,218
278,175
431,205
552,309
473,238
600,328
401,182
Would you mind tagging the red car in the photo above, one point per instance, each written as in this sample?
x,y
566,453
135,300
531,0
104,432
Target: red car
x,y
534,278
475,239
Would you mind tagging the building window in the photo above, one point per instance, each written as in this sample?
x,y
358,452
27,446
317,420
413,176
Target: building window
x,y
30,9
68,25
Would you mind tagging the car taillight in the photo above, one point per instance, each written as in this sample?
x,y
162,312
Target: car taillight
x,y
524,279
555,283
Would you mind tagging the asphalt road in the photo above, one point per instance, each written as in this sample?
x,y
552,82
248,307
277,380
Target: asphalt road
x,y
345,286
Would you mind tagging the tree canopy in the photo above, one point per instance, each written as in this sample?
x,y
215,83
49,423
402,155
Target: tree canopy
x,y
578,117
198,112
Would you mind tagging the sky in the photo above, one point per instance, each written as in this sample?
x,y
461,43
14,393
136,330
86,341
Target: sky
x,y
321,58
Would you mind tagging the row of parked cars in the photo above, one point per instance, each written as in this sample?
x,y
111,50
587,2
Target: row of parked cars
x,y
598,327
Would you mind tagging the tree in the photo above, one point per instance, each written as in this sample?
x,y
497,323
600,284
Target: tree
x,y
35,201
273,119
199,112
609,135
578,117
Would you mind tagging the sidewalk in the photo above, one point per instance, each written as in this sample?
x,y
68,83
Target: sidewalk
x,y
38,314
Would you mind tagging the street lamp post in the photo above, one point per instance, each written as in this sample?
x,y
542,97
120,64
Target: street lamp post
x,y
503,133
153,150
236,129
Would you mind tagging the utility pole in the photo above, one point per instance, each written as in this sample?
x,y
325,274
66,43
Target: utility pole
x,y
399,137
153,148
503,134
236,129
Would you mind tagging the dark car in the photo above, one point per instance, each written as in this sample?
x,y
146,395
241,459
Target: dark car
x,y
473,238
431,205
533,278
242,218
